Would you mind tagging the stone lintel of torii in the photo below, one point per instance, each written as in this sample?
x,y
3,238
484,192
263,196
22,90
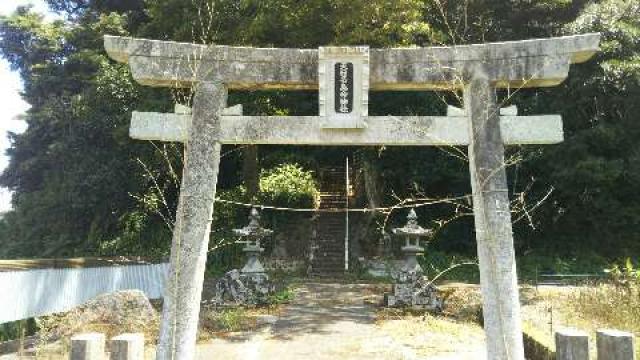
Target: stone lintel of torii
x,y
343,77
381,130
512,64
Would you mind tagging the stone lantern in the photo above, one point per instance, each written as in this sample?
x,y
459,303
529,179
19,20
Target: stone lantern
x,y
410,287
412,233
251,236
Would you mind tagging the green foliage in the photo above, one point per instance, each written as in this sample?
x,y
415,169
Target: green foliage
x,y
288,185
594,172
79,187
529,267
449,266
17,329
73,171
532,265
224,320
224,253
283,296
627,274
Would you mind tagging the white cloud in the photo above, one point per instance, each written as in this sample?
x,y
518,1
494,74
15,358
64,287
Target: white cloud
x,y
11,104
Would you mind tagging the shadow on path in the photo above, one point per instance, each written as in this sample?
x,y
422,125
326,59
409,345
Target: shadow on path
x,y
317,306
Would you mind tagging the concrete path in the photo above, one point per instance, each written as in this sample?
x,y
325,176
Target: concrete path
x,y
327,321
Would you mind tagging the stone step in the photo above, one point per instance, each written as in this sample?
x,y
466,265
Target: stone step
x,y
328,262
332,219
330,226
332,265
329,253
330,249
329,258
326,267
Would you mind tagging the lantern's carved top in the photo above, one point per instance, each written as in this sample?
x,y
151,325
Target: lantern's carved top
x,y
527,63
412,229
253,229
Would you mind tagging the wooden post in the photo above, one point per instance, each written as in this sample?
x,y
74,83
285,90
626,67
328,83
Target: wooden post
x,y
615,345
127,347
87,346
499,283
572,344
192,227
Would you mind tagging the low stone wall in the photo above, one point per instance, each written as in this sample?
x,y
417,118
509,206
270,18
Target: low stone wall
x,y
382,268
284,265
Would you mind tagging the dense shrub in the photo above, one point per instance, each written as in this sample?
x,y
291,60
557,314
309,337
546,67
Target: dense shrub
x,y
224,252
288,185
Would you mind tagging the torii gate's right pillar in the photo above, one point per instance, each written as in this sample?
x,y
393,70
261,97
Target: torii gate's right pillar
x,y
494,236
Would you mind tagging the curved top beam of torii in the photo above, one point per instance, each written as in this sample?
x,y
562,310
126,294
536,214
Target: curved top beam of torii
x,y
512,64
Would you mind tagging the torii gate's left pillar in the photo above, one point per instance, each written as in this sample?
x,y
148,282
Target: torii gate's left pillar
x,y
189,248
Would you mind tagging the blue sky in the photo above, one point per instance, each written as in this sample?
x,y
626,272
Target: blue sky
x,y
11,103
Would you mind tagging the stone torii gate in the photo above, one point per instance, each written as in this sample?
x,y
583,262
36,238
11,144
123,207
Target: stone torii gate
x,y
344,76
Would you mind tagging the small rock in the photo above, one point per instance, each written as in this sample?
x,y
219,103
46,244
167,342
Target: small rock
x,y
122,311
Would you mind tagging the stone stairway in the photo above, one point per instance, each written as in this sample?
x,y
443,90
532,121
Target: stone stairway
x,y
330,226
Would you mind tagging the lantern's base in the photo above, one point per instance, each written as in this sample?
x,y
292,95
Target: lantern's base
x,y
416,295
242,288
253,265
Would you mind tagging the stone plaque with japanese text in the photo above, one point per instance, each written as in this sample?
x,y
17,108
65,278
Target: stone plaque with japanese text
x,y
344,86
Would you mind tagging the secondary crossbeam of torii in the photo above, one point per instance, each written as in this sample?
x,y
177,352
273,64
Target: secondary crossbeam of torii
x,y
344,76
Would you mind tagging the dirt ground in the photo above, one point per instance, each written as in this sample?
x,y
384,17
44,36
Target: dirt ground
x,y
341,321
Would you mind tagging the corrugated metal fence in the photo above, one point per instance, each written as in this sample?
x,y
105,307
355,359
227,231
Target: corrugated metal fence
x,y
26,293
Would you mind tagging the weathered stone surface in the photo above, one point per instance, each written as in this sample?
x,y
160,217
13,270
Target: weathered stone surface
x,y
572,344
615,345
411,288
381,130
285,265
529,63
130,310
496,257
237,288
251,235
235,110
189,248
88,346
356,61
417,294
505,111
127,347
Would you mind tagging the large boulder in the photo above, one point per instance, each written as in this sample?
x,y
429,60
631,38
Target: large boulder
x,y
112,314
